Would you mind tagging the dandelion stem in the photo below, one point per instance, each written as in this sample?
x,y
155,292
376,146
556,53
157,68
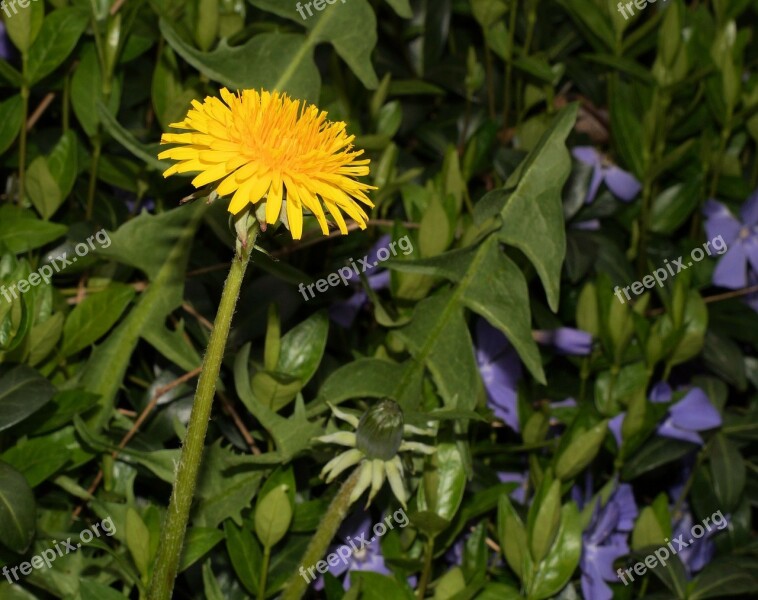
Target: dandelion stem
x,y
335,514
175,525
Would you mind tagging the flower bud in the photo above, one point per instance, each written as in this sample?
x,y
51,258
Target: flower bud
x,y
380,431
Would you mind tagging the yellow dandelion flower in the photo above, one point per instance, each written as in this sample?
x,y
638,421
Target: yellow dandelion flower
x,y
267,146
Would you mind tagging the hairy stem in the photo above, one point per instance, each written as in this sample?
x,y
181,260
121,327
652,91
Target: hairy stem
x,y
335,514
175,525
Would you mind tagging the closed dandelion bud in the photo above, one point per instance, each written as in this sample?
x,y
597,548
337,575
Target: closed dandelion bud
x,y
380,431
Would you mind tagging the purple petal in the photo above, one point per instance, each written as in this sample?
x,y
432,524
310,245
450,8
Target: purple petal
x,y
380,281
731,270
603,557
344,312
750,245
603,526
661,392
566,340
720,221
623,184
668,430
615,426
586,154
593,585
518,494
749,210
628,511
500,369
591,225
597,179
695,412
382,242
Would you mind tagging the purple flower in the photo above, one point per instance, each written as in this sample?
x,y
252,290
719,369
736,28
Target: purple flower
x,y
692,414
622,183
6,50
344,312
368,556
699,553
565,340
740,237
500,368
605,541
522,479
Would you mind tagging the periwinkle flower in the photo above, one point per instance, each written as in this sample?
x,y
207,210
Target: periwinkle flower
x,y
500,368
521,478
565,340
6,50
685,419
606,540
622,184
739,237
345,312
354,533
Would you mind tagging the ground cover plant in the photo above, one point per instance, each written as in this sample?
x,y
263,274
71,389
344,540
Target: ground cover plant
x,y
378,299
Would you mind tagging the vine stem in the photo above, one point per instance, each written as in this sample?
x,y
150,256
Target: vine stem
x,y
426,573
327,529
175,524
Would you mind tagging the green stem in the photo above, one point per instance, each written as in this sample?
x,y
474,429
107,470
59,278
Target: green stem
x,y
175,525
22,135
327,529
427,572
97,147
264,573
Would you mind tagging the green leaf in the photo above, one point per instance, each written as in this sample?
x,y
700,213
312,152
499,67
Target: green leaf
x,y
171,99
25,25
349,26
37,459
62,163
375,586
21,231
160,246
92,590
533,214
401,7
11,115
545,520
655,453
87,91
512,536
59,33
138,540
363,378
227,485
199,541
211,586
18,510
270,61
127,140
42,188
273,516
581,451
556,570
94,316
653,525
722,578
727,472
444,483
245,554
23,392
303,347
